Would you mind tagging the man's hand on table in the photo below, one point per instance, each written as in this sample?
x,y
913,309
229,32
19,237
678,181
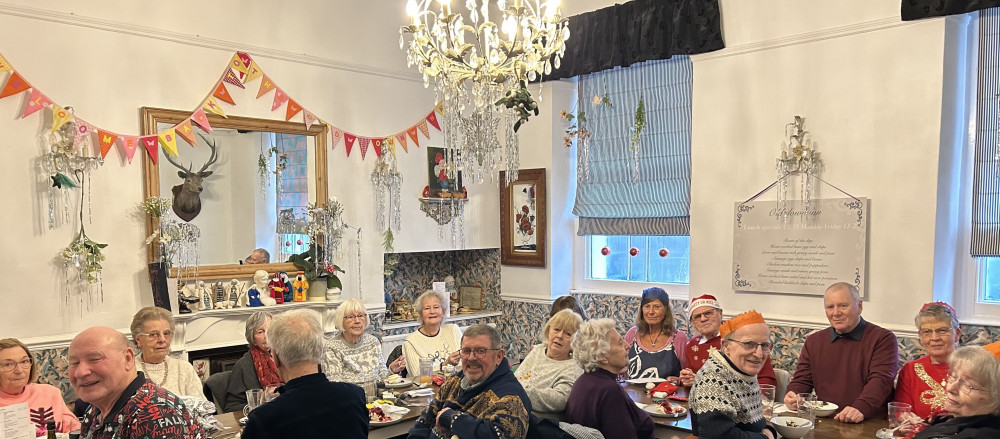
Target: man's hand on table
x,y
850,415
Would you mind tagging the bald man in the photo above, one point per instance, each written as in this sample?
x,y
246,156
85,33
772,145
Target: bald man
x,y
124,404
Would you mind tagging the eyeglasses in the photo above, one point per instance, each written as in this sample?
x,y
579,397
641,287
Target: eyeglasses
x,y
355,317
751,345
8,366
705,314
157,334
940,332
963,384
480,352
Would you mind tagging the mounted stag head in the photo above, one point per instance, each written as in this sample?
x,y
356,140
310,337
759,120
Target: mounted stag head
x,y
187,195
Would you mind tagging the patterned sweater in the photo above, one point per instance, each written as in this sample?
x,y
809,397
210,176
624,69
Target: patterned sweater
x,y
418,345
352,363
177,376
495,408
546,381
144,410
697,350
45,402
921,384
725,402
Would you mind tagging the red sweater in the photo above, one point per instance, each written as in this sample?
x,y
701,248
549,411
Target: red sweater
x,y
849,372
924,391
697,354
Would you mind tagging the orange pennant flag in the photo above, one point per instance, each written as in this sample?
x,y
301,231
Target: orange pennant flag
x,y
59,118
253,72
412,132
36,102
15,85
266,85
401,137
186,132
4,65
169,141
349,142
107,140
432,118
279,98
231,78
129,144
308,118
293,109
423,128
237,64
149,142
222,93
213,105
199,117
335,135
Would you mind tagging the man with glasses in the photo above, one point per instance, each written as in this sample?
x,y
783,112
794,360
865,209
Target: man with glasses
x,y
484,400
852,363
705,314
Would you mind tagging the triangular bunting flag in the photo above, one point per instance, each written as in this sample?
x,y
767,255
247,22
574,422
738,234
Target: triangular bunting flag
x,y
439,108
401,137
107,140
199,117
59,118
83,130
150,143
15,85
364,141
186,132
36,102
213,105
169,141
349,142
432,118
237,64
377,144
222,92
4,65
423,128
335,135
253,72
412,132
390,144
129,144
245,58
293,109
266,85
232,79
279,98
308,118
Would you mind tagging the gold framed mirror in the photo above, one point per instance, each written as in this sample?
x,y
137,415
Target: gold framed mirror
x,y
157,183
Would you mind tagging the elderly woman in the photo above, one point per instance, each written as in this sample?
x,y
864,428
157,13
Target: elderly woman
x,y
656,348
725,400
973,402
434,339
152,330
597,401
18,373
549,371
255,369
921,381
351,355
567,302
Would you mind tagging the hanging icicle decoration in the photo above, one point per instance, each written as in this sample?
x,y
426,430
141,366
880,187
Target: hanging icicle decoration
x,y
387,178
797,157
68,148
84,257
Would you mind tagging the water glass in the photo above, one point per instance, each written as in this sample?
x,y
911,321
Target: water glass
x,y
807,406
767,400
426,370
255,398
371,390
897,413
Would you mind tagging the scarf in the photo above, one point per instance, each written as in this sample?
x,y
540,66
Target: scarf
x,y
267,372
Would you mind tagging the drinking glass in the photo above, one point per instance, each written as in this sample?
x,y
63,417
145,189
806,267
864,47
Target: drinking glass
x,y
371,390
255,397
426,370
897,412
807,406
767,400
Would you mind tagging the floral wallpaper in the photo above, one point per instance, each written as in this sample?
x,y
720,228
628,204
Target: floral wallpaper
x,y
416,271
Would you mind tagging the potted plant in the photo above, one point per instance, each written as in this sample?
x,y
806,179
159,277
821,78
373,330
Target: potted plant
x,y
322,276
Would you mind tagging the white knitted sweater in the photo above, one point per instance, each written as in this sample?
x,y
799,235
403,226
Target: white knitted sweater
x,y
546,381
177,376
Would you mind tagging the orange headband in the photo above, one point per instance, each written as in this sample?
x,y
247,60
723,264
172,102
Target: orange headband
x,y
994,349
739,321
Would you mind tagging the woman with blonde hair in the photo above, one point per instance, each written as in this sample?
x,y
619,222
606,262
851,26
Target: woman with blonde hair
x,y
152,330
18,376
549,371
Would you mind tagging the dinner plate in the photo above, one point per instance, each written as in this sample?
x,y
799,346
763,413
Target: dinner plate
x,y
406,382
646,380
393,419
655,410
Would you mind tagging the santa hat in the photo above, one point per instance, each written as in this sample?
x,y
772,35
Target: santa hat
x,y
704,300
739,321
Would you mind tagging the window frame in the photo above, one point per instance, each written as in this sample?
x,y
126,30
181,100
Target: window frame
x,y
585,284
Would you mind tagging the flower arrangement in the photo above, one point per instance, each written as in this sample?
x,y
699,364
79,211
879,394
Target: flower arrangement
x,y
525,221
174,240
576,128
84,254
307,263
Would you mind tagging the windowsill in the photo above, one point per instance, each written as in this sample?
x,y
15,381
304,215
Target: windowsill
x,y
453,319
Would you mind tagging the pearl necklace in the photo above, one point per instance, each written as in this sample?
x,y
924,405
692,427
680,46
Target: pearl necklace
x,y
166,371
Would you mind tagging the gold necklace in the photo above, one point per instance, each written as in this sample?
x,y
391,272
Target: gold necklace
x,y
166,371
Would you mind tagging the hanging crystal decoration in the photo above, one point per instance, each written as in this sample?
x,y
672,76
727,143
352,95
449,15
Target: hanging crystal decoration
x,y
386,178
325,225
84,257
67,165
797,157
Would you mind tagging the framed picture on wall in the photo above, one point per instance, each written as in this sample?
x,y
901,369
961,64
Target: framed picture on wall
x,y
470,297
522,219
441,180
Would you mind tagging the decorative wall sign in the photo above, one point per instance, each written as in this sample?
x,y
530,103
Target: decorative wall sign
x,y
522,219
795,250
470,297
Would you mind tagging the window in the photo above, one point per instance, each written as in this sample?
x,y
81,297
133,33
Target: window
x,y
986,183
990,293
646,266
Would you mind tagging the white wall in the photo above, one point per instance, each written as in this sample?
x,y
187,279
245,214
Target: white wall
x,y
341,60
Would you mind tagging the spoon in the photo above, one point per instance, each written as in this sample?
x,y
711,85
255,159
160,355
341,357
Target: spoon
x,y
885,433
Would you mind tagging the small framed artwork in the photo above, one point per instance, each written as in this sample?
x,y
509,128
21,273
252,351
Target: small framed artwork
x,y
442,180
522,219
470,297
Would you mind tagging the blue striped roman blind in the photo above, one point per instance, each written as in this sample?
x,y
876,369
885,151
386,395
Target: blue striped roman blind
x,y
609,200
986,185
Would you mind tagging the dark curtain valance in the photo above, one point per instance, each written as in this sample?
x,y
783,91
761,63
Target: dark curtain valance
x,y
637,31
917,9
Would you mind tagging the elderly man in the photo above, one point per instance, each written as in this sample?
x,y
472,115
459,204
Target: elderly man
x,y
705,314
310,406
852,363
123,403
258,256
484,400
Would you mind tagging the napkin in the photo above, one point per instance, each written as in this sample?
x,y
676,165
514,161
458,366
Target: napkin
x,y
664,387
418,393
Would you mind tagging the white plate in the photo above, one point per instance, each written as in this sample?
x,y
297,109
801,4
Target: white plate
x,y
654,410
646,380
393,419
404,383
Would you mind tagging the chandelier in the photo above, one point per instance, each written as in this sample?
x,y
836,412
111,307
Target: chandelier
x,y
480,71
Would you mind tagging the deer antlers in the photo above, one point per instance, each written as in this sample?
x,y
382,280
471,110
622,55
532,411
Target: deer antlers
x,y
211,160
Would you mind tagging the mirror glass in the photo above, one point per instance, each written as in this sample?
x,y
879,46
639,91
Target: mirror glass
x,y
236,205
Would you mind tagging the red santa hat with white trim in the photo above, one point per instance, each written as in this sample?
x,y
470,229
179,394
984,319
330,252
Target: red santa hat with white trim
x,y
704,300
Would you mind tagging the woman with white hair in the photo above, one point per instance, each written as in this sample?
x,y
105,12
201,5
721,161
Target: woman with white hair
x,y
973,402
549,371
597,400
255,369
921,381
434,339
152,331
352,356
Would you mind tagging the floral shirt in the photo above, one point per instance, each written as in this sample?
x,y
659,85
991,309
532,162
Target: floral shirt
x,y
144,410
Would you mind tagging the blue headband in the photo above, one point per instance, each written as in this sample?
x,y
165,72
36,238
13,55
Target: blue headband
x,y
655,293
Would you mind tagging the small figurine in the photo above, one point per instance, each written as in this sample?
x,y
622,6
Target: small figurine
x,y
234,293
220,297
288,286
206,295
300,287
260,280
277,288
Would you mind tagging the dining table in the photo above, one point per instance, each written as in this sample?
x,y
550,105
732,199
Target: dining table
x,y
680,427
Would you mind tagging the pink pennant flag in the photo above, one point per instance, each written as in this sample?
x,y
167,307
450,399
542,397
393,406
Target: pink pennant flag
x,y
412,132
349,142
308,118
377,144
401,137
432,118
36,102
335,136
150,143
83,132
364,141
279,98
186,132
129,144
423,128
231,78
106,140
199,117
